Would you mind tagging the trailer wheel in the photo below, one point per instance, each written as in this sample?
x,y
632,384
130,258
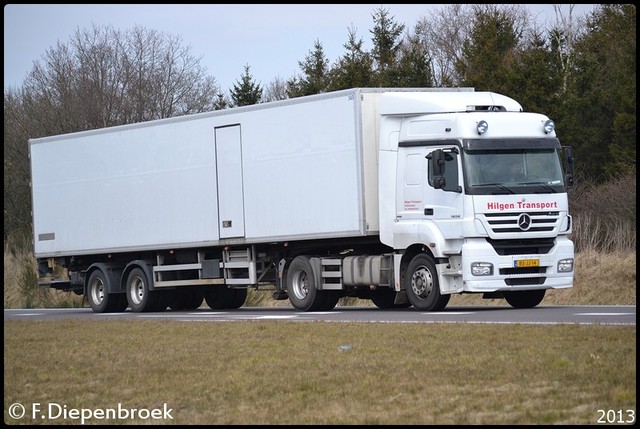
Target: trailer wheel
x,y
100,300
195,298
524,298
215,297
238,297
139,296
222,298
421,283
122,302
301,286
188,298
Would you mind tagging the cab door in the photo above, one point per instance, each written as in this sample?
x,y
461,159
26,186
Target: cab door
x,y
418,196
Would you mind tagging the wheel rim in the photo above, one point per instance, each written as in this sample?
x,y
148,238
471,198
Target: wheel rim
x,y
300,285
136,290
97,291
422,282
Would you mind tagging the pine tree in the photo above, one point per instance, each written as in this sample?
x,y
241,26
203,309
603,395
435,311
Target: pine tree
x,y
315,74
246,91
386,33
354,68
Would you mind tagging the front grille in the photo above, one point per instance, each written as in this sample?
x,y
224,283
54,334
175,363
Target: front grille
x,y
502,223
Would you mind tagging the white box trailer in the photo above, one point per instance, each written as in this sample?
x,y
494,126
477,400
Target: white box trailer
x,y
172,212
247,175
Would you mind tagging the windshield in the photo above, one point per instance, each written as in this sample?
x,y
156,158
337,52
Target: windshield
x,y
526,170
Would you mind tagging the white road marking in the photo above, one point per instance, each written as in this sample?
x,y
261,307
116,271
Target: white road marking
x,y
448,313
604,314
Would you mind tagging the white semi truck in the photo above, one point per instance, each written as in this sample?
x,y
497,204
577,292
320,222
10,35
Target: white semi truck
x,y
400,196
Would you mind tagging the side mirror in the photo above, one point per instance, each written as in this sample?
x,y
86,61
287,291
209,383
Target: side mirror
x,y
437,161
569,166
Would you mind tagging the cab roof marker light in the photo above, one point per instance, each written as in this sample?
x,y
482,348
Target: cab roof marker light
x,y
482,127
549,126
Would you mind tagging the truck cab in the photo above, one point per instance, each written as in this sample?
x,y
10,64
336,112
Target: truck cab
x,y
477,202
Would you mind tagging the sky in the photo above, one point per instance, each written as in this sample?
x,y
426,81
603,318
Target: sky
x,y
271,39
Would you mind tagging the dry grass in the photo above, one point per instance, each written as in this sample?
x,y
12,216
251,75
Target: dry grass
x,y
283,372
21,284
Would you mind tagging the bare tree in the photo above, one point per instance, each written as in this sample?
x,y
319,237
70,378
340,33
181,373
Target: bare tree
x,y
275,90
101,78
443,32
567,29
17,193
106,77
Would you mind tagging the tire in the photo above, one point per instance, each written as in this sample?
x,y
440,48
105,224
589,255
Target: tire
x,y
140,298
384,298
162,300
219,297
238,297
122,303
331,300
301,286
422,285
100,300
196,298
524,298
186,299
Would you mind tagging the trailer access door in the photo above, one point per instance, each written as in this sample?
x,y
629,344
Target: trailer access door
x,y
228,143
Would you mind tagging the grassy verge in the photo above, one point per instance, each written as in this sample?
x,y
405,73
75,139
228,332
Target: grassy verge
x,y
279,372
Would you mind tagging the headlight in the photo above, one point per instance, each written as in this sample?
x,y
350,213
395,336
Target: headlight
x,y
565,265
482,269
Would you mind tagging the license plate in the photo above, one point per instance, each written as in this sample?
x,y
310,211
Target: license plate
x,y
526,263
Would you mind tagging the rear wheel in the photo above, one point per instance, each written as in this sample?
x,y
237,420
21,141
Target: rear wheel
x,y
100,300
139,296
524,298
384,298
421,283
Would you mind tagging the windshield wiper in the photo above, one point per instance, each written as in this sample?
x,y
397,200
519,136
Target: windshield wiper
x,y
545,185
499,185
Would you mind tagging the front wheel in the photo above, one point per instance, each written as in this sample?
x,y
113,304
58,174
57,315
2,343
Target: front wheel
x,y
422,285
524,298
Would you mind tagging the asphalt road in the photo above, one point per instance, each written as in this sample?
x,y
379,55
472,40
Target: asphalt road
x,y
541,315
